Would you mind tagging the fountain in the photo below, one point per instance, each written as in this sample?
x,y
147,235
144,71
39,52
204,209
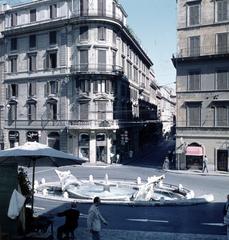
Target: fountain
x,y
154,190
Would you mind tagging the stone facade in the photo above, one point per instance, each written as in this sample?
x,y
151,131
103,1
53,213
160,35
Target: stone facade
x,y
202,84
74,78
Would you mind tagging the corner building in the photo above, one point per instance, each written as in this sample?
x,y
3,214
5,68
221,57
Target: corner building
x,y
74,77
202,84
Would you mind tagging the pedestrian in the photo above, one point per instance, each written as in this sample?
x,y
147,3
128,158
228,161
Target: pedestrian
x,y
166,164
205,164
226,215
71,222
95,219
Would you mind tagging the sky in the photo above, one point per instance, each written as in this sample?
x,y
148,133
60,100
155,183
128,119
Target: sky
x,y
154,23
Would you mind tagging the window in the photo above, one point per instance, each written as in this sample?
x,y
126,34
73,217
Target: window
x,y
129,70
13,44
33,15
53,87
222,10
101,33
83,7
54,140
52,110
194,114
101,108
83,60
102,7
222,80
194,46
31,111
32,62
13,112
222,116
83,113
13,19
51,61
84,85
31,89
114,60
102,60
114,37
84,33
222,42
193,14
53,11
12,91
13,64
52,38
32,41
114,9
194,80
135,74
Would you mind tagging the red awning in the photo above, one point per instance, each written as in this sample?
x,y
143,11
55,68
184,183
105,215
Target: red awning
x,y
194,151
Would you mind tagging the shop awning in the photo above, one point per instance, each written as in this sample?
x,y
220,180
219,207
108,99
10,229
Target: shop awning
x,y
194,151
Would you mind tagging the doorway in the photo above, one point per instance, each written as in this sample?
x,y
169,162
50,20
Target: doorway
x,y
222,160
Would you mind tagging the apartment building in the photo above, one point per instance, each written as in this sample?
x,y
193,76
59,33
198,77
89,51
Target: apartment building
x,y
202,83
75,78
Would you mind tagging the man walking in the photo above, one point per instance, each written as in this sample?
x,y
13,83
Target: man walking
x,y
95,219
205,162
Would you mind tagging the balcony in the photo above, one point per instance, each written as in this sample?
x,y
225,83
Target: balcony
x,y
96,69
90,13
202,52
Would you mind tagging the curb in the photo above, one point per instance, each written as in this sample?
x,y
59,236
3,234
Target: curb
x,y
197,173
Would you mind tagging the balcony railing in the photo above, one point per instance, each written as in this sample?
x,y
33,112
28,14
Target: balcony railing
x,y
96,68
202,51
97,13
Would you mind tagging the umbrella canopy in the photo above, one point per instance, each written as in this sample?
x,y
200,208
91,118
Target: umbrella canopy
x,y
33,154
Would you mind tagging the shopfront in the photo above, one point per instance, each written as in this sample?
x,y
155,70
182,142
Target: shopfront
x,y
194,156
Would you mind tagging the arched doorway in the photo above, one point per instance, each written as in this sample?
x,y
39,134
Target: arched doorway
x,y
84,145
54,140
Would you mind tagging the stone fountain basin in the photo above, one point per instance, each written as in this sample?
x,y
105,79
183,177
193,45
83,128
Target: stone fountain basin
x,y
118,191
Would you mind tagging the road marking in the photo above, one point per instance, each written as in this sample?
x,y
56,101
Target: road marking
x,y
214,224
146,220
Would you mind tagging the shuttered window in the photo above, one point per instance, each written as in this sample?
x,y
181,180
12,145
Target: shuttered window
x,y
101,33
102,60
194,46
13,19
222,81
83,7
222,10
33,15
13,64
222,42
84,111
222,116
102,7
53,11
194,81
194,14
194,115
52,110
31,111
13,112
32,62
84,33
83,60
101,110
31,89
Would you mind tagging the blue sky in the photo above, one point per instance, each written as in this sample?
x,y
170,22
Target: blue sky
x,y
154,23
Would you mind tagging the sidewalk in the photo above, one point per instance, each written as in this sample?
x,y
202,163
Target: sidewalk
x,y
198,172
83,234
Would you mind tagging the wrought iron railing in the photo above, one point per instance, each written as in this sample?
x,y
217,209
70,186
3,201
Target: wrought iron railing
x,y
202,51
96,68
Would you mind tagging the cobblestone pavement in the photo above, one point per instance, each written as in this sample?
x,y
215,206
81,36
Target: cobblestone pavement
x,y
106,234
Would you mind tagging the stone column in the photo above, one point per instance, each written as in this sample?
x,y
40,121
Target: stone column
x,y
109,145
92,148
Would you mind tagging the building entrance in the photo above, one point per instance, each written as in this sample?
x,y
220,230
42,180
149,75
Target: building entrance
x,y
222,160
